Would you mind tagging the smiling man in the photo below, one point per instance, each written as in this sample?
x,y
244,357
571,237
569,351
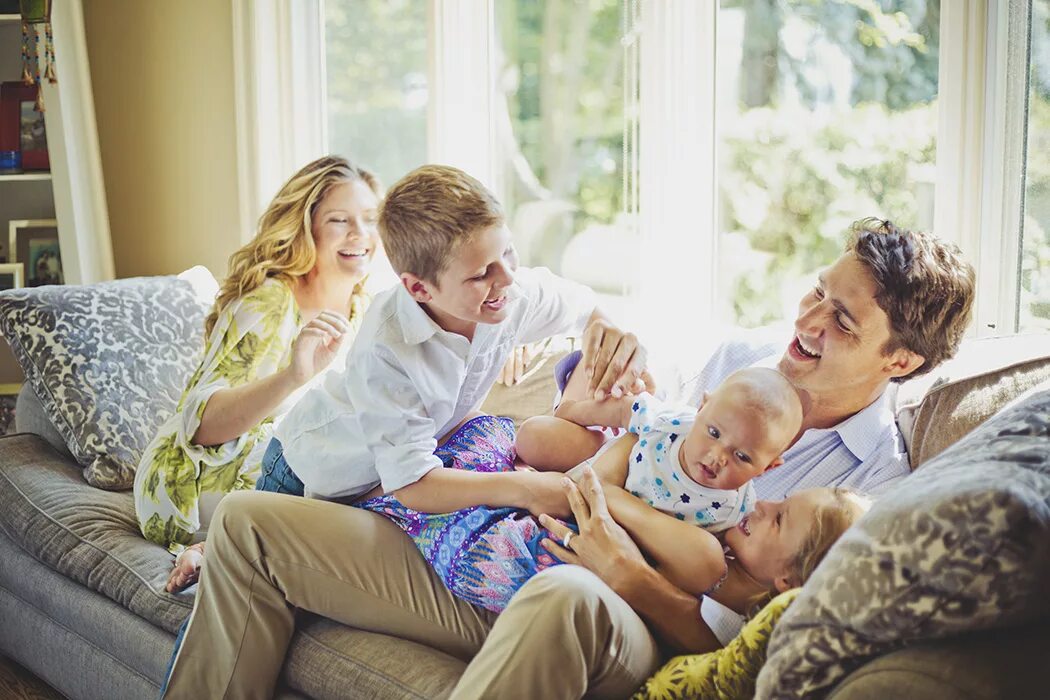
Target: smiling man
x,y
894,306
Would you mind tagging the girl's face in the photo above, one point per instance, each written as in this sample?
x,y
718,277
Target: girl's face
x,y
768,539
345,232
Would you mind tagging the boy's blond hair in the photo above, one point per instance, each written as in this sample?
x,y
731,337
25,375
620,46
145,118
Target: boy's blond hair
x,y
429,213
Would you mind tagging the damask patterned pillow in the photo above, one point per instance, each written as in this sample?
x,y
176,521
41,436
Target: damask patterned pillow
x,y
109,361
963,544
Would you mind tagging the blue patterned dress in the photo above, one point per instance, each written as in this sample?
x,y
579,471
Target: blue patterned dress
x,y
483,555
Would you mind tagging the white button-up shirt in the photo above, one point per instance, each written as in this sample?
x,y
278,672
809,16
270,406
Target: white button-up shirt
x,y
408,382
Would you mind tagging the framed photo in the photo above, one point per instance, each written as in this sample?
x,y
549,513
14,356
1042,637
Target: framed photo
x,y
34,243
12,276
22,127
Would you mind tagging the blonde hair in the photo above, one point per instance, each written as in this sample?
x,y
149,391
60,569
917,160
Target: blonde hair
x,y
830,520
283,247
429,213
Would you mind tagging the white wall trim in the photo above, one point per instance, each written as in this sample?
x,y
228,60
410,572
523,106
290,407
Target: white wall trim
x,y
279,97
76,164
461,78
678,161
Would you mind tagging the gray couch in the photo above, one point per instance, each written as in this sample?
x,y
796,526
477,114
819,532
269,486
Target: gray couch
x,y
82,602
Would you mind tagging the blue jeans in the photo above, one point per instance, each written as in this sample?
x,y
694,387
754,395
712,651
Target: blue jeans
x,y
277,477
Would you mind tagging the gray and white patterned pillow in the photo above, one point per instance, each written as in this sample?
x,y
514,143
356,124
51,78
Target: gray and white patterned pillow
x,y
109,361
962,544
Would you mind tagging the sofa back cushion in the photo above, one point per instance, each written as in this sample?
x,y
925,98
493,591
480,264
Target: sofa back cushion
x,y
939,408
109,361
962,544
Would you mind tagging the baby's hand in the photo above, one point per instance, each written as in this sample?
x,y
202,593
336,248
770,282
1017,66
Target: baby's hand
x,y
545,493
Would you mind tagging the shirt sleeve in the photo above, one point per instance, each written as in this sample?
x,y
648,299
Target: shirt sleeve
x,y
398,432
556,305
250,341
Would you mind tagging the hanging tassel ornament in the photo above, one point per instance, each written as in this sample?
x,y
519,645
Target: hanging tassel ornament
x,y
37,12
27,77
49,52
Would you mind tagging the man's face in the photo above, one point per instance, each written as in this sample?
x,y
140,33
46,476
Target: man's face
x,y
836,352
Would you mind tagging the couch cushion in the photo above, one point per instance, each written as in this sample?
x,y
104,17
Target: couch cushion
x,y
961,545
938,408
328,659
84,533
92,537
108,361
534,394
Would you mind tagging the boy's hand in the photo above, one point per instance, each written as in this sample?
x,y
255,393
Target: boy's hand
x,y
613,360
544,493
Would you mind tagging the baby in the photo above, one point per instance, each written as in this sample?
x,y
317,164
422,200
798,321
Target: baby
x,y
695,465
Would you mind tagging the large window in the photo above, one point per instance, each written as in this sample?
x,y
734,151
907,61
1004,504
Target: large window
x,y
826,114
766,128
1034,292
376,53
560,120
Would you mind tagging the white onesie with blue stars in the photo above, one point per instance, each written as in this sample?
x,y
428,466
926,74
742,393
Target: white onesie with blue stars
x,y
655,474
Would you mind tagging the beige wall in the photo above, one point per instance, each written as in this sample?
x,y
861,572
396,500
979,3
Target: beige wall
x,y
162,74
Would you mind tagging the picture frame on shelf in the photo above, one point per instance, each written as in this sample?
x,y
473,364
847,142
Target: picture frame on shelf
x,y
22,126
12,276
34,243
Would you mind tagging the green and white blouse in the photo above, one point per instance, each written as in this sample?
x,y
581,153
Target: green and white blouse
x,y
178,483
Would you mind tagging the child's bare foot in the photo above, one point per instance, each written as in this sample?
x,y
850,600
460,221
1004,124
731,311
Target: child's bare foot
x,y
187,568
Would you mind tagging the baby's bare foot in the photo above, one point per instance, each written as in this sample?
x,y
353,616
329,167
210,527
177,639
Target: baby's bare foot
x,y
187,568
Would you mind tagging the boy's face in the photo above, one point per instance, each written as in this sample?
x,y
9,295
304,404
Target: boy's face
x,y
729,445
473,288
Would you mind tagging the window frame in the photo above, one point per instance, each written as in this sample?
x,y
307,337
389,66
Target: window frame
x,y
982,100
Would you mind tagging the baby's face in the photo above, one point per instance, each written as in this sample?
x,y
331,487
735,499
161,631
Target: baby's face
x,y
729,444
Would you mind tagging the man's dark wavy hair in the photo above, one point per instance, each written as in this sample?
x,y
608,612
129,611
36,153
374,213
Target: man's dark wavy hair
x,y
924,286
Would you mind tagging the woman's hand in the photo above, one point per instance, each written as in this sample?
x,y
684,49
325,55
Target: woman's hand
x,y
601,545
317,345
516,366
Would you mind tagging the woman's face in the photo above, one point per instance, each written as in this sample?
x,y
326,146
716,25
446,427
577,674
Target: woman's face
x,y
766,540
345,233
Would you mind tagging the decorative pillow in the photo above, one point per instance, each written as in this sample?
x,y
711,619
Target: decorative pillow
x,y
726,674
109,361
961,545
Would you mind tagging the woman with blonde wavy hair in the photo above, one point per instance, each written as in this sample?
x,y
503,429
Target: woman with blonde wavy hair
x,y
290,305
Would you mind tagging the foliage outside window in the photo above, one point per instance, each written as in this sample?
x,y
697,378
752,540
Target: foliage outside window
x,y
376,53
827,114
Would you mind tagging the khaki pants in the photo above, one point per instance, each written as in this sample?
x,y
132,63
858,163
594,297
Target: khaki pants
x,y
268,554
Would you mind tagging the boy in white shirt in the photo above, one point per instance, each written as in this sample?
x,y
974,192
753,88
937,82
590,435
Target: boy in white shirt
x,y
429,350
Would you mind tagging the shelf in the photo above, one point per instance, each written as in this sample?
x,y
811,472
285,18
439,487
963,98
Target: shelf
x,y
25,177
10,19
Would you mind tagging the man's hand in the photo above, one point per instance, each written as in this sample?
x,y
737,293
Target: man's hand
x,y
613,360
